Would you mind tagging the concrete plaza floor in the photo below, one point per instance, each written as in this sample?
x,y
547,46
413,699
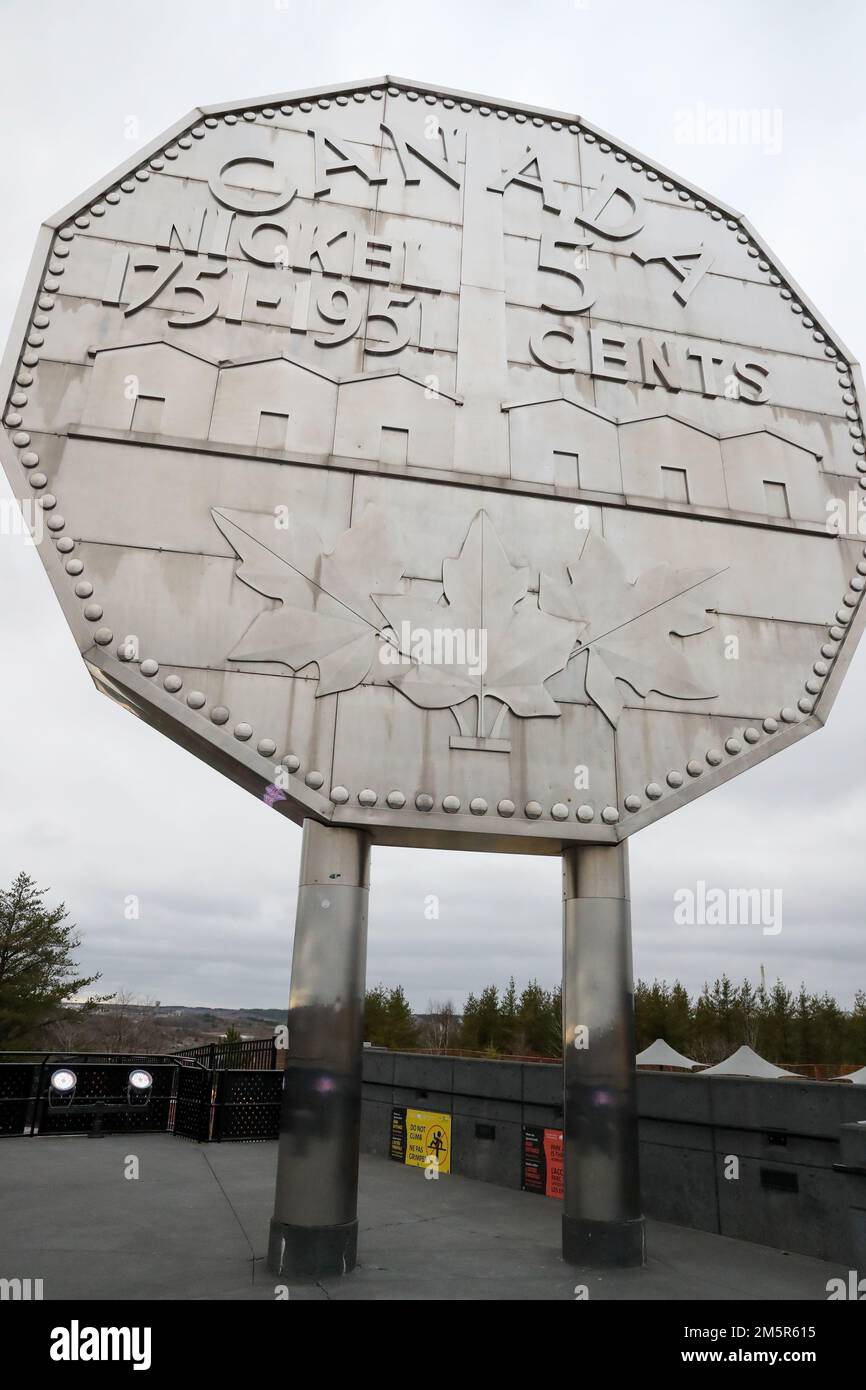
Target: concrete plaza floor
x,y
194,1224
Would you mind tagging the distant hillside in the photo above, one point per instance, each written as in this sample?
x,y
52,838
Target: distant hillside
x,y
212,1011
128,1025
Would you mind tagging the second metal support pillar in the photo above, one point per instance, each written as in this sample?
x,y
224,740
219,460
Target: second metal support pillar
x,y
602,1222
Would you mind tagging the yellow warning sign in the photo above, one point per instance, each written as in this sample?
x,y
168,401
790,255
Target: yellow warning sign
x,y
428,1140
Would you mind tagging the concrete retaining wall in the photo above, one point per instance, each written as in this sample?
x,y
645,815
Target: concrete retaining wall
x,y
797,1146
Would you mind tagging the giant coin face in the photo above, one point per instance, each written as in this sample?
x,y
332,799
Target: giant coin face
x,y
438,466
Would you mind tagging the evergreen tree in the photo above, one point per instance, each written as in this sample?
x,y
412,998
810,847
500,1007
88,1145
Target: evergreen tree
x,y
555,1046
747,1014
777,1037
679,1018
37,972
508,1033
388,1019
400,1020
488,1023
540,1021
855,1032
469,1029
804,1030
375,1012
782,1027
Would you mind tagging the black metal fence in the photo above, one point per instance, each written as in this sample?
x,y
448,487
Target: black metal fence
x,y
16,1089
193,1103
251,1054
247,1105
184,1097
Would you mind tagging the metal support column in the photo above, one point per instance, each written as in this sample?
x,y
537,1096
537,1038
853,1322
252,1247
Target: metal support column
x,y
602,1222
314,1227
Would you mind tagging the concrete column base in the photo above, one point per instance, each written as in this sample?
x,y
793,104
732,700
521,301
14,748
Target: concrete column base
x,y
307,1253
603,1244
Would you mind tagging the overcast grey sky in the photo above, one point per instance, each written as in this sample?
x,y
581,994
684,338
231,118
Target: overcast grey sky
x,y
97,806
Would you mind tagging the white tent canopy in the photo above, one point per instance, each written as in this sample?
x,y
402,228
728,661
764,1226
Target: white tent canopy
x,y
746,1062
661,1054
858,1077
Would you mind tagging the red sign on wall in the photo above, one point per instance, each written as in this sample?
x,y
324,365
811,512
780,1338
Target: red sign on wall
x,y
543,1161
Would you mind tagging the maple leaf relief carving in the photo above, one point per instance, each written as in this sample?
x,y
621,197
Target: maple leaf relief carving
x,y
626,627
485,637
515,647
327,615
